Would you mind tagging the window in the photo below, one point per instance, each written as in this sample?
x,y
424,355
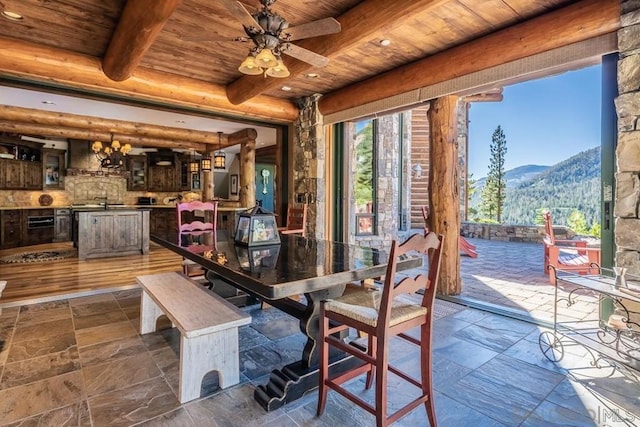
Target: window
x,y
364,178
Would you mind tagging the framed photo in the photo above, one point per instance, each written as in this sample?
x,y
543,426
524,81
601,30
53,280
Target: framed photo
x,y
234,184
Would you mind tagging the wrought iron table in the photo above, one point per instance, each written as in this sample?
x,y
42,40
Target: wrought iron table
x,y
319,269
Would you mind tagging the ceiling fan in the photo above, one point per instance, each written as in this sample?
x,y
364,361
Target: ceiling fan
x,y
272,37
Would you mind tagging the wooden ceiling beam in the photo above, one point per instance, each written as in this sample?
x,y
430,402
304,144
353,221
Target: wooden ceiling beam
x,y
81,72
95,135
363,22
574,23
140,23
50,118
242,136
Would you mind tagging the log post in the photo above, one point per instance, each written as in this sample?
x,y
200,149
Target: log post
x,y
248,173
207,177
444,197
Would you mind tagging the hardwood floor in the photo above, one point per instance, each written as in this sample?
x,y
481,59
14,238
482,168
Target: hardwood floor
x,y
26,281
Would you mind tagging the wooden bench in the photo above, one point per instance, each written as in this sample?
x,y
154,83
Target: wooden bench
x,y
208,327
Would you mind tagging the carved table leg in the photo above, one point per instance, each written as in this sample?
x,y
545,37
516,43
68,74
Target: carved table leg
x,y
293,381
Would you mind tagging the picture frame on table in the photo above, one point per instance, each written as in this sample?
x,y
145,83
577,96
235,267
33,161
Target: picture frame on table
x,y
234,185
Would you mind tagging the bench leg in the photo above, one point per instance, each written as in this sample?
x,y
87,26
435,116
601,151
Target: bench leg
x,y
149,314
217,351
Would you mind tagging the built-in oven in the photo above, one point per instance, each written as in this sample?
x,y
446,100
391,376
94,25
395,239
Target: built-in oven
x,y
34,222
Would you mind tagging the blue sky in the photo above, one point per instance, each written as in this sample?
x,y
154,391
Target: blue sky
x,y
544,121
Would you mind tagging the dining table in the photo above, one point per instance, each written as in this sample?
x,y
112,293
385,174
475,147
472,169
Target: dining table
x,y
280,274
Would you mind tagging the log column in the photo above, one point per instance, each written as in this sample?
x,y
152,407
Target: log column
x,y
444,197
207,177
248,173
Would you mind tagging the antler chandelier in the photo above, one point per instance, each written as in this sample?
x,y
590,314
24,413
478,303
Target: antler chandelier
x,y
111,156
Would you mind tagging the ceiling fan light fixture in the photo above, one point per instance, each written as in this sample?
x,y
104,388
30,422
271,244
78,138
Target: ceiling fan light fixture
x,y
266,59
279,71
250,67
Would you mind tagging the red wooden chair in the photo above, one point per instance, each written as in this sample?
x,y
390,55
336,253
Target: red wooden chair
x,y
465,246
296,221
571,255
384,314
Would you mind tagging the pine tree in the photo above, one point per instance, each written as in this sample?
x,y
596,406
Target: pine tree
x,y
495,188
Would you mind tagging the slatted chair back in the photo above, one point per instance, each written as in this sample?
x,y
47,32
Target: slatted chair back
x,y
296,220
201,216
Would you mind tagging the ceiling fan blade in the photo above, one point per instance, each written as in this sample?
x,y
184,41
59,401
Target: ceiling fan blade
x,y
313,29
305,55
239,12
215,38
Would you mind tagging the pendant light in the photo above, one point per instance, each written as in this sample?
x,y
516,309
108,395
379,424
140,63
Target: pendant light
x,y
219,157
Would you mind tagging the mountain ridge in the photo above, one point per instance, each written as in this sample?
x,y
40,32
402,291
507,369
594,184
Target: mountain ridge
x,y
573,183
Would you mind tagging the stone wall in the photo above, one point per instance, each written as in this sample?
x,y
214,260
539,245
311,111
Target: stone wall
x,y
627,223
308,164
512,233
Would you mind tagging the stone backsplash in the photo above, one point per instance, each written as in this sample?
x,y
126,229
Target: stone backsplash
x,y
85,189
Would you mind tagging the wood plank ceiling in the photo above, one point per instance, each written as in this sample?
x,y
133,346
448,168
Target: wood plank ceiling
x,y
196,68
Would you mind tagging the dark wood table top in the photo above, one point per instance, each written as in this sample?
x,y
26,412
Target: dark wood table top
x,y
297,265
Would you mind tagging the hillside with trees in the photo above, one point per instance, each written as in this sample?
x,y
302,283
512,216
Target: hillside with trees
x,y
573,184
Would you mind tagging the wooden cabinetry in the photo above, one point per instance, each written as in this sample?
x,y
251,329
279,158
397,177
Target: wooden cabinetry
x,y
53,166
137,165
163,220
189,180
10,229
112,233
163,178
32,175
62,226
20,175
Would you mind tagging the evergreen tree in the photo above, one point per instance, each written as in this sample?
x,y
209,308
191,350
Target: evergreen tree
x,y
495,189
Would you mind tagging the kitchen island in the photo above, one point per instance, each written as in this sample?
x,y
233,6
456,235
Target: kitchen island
x,y
111,232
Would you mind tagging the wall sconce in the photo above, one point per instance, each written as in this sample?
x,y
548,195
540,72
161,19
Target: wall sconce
x,y
416,171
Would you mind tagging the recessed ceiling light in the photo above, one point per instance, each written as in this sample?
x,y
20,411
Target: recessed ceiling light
x,y
286,88
385,42
13,16
180,122
313,75
46,102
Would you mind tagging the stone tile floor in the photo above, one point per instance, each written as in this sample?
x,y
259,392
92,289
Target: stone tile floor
x,y
81,361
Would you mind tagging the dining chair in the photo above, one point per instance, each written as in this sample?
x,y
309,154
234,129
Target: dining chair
x,y
383,314
296,220
194,219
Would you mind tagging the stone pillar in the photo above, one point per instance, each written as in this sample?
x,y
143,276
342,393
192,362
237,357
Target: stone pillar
x,y
307,164
627,215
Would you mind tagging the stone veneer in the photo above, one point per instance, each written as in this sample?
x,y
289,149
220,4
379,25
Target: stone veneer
x,y
84,189
308,163
512,233
627,203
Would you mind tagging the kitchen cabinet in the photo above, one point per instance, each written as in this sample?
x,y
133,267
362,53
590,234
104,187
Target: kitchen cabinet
x,y
163,178
163,220
189,180
10,229
32,175
53,166
62,225
137,165
20,175
112,233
